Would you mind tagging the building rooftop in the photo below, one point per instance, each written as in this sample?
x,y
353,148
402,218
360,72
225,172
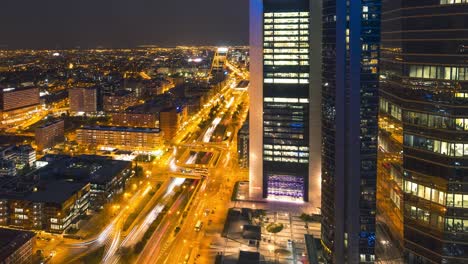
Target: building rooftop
x,y
11,240
120,93
55,192
154,105
123,129
52,190
84,168
50,122
16,89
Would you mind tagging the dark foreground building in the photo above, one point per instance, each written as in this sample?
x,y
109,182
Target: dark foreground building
x,y
424,93
16,247
350,52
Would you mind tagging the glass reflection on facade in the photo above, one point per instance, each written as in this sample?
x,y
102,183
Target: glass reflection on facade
x,y
424,88
285,128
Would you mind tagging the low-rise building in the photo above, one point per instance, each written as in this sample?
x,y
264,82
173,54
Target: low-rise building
x,y
50,205
7,168
126,138
16,247
21,155
25,155
106,176
50,134
17,104
16,98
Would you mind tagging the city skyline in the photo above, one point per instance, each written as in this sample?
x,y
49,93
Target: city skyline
x,y
145,132
122,24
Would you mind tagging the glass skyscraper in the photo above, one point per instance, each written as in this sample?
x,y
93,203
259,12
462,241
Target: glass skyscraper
x,y
282,103
350,54
424,112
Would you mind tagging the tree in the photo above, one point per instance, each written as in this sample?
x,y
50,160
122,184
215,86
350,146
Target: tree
x,y
306,217
138,171
310,217
274,227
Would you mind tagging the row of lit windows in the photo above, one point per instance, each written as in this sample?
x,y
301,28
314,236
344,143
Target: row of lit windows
x,y
286,38
286,81
437,146
286,26
425,192
287,14
457,200
286,153
283,135
283,159
296,119
286,63
435,121
461,95
438,72
424,216
390,108
428,120
287,74
285,147
452,2
21,216
286,32
286,100
287,56
286,45
285,20
456,224
367,258
287,51
282,124
56,227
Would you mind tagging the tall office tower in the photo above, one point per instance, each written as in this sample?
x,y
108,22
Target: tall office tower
x,y
219,60
424,93
351,42
284,101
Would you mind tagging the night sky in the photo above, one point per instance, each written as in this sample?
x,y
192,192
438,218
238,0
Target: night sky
x,y
121,23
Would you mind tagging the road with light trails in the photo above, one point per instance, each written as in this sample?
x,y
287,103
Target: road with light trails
x,y
142,222
165,231
109,236
162,242
210,204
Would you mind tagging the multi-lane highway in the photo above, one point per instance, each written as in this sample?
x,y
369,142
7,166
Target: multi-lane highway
x,y
209,203
208,143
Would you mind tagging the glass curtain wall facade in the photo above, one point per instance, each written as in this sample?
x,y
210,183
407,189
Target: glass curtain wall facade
x,y
423,91
285,100
350,53
280,100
